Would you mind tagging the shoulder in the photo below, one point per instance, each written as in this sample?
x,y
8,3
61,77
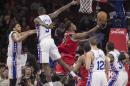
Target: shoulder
x,y
89,54
13,32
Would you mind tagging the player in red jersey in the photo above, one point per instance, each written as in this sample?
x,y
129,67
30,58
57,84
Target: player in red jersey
x,y
69,45
80,66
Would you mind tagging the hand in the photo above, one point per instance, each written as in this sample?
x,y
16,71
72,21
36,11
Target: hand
x,y
74,2
51,26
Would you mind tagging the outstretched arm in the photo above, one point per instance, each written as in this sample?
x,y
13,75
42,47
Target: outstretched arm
x,y
57,12
17,37
85,34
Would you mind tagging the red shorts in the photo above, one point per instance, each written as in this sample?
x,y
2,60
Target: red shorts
x,y
59,69
69,60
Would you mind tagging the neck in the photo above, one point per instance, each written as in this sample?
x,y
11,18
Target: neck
x,y
94,47
71,31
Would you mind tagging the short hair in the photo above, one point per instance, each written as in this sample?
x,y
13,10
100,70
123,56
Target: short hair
x,y
121,56
110,46
41,10
67,24
87,46
93,41
13,24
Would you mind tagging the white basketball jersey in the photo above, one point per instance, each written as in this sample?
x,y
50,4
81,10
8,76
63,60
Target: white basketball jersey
x,y
14,47
43,32
98,63
116,65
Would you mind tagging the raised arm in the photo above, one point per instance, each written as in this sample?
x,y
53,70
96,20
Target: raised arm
x,y
57,12
17,37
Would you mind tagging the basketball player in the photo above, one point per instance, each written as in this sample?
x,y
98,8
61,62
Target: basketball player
x,y
46,45
120,76
80,66
69,44
14,52
95,62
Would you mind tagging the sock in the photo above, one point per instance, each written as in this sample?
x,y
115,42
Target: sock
x,y
50,83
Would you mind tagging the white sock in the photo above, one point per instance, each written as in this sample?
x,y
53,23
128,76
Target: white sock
x,y
50,83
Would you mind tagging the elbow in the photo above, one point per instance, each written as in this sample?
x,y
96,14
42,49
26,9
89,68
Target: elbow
x,y
17,40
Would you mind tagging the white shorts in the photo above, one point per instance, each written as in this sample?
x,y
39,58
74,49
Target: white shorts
x,y
46,49
97,79
15,70
120,79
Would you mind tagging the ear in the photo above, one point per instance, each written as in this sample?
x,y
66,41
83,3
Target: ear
x,y
14,29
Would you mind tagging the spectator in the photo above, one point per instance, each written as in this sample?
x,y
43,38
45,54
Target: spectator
x,y
4,77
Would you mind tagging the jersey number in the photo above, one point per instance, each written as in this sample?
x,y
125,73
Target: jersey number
x,y
100,65
47,30
120,65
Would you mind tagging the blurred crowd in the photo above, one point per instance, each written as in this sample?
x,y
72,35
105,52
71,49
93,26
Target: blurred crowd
x,y
25,11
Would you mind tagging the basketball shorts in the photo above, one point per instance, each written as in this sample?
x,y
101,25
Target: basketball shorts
x,y
46,49
119,79
97,79
14,68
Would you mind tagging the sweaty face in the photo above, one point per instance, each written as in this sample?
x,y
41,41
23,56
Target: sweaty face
x,y
18,27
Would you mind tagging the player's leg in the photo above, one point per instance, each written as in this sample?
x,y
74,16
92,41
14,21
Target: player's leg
x,y
44,60
11,69
55,55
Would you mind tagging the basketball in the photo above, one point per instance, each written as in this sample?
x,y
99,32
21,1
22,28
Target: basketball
x,y
102,17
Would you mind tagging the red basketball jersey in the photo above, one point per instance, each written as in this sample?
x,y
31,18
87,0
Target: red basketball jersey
x,y
84,75
68,45
68,48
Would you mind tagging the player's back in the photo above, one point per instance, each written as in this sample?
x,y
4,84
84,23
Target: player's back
x,y
97,76
116,66
98,60
43,32
84,76
68,45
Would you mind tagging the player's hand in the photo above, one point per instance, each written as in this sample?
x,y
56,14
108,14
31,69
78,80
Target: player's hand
x,y
51,26
74,2
102,26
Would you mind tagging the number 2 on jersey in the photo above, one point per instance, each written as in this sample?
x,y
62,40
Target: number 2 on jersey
x,y
100,65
